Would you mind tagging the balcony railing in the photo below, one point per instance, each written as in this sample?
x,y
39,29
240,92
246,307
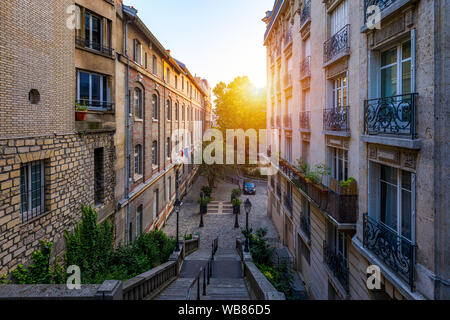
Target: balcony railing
x,y
287,121
287,202
396,251
305,225
336,119
305,120
82,42
338,44
343,208
381,4
337,264
391,115
95,105
306,12
305,68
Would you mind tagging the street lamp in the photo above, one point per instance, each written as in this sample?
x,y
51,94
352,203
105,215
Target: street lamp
x,y
201,210
248,208
177,206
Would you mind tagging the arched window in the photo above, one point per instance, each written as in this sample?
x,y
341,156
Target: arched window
x,y
155,106
176,111
155,65
155,152
169,110
138,103
138,159
169,151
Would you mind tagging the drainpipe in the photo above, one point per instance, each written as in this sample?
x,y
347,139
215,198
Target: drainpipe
x,y
132,12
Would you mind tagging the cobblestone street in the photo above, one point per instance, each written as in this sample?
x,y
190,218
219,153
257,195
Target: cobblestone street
x,y
222,225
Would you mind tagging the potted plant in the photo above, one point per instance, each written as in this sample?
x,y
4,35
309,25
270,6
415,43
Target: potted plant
x,y
236,205
204,204
80,111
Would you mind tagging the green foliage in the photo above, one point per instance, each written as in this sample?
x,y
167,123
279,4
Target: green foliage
x,y
39,271
239,105
347,182
207,190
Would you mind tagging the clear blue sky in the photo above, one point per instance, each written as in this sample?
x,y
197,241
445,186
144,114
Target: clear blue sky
x,y
218,40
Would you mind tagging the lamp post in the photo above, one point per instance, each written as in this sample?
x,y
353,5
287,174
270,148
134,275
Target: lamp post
x,y
177,206
248,208
201,210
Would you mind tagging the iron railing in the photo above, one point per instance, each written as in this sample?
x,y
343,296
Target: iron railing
x,y
339,43
381,4
96,105
337,264
396,251
82,42
394,115
287,121
336,119
305,120
306,13
305,67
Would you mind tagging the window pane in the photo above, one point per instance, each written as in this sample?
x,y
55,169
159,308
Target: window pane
x,y
389,81
84,86
406,77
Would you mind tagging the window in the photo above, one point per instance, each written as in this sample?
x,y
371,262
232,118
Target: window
x,y
340,94
138,160
138,103
137,52
155,153
154,65
169,152
139,224
155,106
155,203
93,90
99,184
339,18
177,110
169,110
396,70
32,184
391,198
339,164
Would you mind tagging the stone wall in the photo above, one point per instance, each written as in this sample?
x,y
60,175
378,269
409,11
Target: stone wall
x,y
69,182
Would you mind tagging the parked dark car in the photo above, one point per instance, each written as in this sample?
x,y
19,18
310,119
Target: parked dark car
x,y
249,187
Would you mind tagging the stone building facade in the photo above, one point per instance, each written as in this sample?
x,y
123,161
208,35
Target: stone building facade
x,y
51,163
357,87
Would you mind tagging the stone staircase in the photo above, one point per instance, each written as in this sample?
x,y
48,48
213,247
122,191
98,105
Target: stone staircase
x,y
226,282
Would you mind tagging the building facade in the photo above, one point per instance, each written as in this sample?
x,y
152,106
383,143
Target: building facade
x,y
51,161
356,95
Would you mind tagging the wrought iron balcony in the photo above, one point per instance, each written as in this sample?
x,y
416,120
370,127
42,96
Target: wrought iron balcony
x,y
391,115
396,251
305,68
95,105
306,13
343,208
305,225
287,121
337,264
82,42
336,119
305,120
381,4
287,200
338,44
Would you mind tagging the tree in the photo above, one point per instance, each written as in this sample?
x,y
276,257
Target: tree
x,y
240,105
